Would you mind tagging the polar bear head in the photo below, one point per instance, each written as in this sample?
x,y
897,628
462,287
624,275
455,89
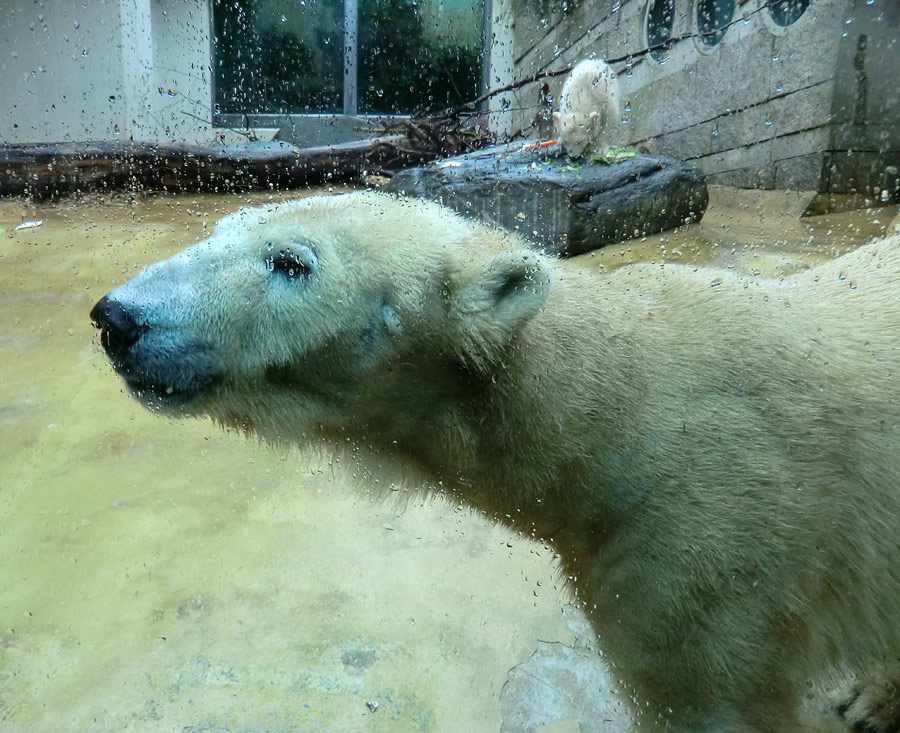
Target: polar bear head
x,y
301,316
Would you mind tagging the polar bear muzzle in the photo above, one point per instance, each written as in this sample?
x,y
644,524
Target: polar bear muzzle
x,y
161,371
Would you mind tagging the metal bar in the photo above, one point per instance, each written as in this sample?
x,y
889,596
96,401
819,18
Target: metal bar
x,y
351,43
213,101
487,10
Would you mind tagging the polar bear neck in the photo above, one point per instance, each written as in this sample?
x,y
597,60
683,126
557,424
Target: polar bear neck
x,y
493,437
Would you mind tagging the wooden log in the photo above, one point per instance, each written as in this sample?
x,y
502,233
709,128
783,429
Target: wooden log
x,y
48,170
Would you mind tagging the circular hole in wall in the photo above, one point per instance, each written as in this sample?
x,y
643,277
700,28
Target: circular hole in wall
x,y
711,19
785,12
658,27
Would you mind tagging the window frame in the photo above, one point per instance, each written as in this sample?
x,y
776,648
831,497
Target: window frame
x,y
319,123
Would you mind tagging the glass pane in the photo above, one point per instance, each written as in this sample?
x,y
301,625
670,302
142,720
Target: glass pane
x,y
272,56
418,54
660,17
713,17
687,459
787,12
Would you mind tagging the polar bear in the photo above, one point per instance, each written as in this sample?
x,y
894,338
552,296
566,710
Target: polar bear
x,y
715,457
588,118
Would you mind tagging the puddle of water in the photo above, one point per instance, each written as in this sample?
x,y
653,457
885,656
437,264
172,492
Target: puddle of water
x,y
166,575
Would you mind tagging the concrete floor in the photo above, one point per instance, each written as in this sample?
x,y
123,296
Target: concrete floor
x,y
167,576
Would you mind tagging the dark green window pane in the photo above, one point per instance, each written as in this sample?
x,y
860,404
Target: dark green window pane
x,y
418,54
286,56
277,57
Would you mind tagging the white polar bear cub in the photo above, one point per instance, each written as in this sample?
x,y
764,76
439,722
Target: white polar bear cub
x,y
588,109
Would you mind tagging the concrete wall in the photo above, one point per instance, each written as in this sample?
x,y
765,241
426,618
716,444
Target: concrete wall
x,y
501,66
182,50
864,150
105,70
767,107
60,71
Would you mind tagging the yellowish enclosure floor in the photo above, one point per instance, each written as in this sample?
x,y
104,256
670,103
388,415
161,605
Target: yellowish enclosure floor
x,y
160,575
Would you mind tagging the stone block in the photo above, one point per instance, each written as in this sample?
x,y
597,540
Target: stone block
x,y
564,207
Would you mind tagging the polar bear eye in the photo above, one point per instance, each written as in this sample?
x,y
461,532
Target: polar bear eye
x,y
292,263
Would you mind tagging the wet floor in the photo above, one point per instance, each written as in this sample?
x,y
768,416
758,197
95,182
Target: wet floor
x,y
161,575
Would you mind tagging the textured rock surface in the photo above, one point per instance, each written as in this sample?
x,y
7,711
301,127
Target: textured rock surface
x,y
563,688
565,207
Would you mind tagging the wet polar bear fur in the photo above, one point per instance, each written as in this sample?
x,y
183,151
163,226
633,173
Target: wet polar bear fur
x,y
716,457
588,119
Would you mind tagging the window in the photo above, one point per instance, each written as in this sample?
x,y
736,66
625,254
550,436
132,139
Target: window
x,y
786,12
369,57
658,25
712,18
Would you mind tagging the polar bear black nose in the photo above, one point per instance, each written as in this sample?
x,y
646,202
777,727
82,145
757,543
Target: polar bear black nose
x,y
118,327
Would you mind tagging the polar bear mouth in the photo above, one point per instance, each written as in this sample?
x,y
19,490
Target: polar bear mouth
x,y
166,382
166,393
160,369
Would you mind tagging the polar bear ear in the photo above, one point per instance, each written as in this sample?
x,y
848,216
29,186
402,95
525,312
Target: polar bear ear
x,y
508,291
